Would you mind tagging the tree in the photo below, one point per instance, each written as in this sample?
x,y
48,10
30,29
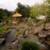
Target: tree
x,y
34,11
24,10
48,13
4,14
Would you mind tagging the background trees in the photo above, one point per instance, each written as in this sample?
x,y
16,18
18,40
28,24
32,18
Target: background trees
x,y
48,13
4,14
24,10
34,11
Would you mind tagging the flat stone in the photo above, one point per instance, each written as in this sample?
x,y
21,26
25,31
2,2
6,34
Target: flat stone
x,y
11,36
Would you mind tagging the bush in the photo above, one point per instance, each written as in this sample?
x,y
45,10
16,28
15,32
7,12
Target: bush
x,y
29,46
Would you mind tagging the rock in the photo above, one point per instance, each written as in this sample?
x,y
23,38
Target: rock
x,y
1,40
37,29
42,34
47,26
48,33
11,36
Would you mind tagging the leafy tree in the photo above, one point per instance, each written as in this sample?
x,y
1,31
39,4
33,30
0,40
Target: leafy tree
x,y
34,11
4,14
43,9
48,13
24,10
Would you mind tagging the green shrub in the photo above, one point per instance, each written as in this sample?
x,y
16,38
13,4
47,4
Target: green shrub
x,y
29,46
3,30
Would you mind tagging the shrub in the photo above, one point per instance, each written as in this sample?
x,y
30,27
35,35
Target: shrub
x,y
29,46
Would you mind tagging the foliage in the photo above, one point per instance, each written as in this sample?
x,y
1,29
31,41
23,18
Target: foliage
x,y
48,13
39,10
34,11
43,9
4,14
2,30
27,45
24,10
